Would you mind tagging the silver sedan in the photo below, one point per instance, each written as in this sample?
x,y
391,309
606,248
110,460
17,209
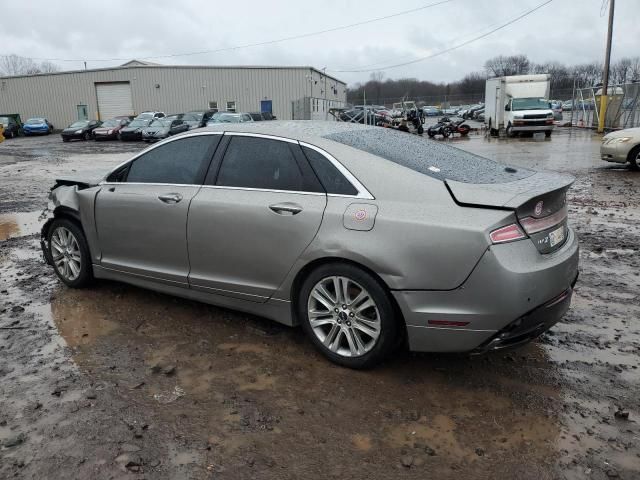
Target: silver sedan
x,y
368,238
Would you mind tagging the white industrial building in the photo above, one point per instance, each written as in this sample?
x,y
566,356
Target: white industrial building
x,y
63,97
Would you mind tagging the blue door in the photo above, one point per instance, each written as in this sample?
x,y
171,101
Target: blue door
x,y
265,106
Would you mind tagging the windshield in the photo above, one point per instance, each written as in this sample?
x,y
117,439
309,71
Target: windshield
x,y
4,120
145,115
80,124
225,118
111,123
160,122
34,121
529,104
141,122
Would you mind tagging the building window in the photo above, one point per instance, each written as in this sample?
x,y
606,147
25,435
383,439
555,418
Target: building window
x,y
213,105
231,106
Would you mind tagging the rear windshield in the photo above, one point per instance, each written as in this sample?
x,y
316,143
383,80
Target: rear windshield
x,y
429,157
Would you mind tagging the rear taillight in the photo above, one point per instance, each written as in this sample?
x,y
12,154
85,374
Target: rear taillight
x,y
507,234
535,225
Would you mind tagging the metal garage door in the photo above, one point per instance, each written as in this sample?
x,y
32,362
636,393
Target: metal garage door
x,y
114,99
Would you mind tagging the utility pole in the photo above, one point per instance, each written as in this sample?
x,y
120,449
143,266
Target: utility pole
x,y
605,77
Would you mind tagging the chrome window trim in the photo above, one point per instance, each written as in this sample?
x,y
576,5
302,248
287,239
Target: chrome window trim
x,y
251,189
153,184
363,193
260,135
362,190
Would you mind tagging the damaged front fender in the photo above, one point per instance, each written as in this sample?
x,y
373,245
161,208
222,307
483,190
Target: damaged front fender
x,y
69,198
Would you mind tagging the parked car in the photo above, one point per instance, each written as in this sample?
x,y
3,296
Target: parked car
x,y
160,128
256,116
622,146
567,105
191,119
11,124
471,110
37,126
324,225
133,131
556,108
80,130
110,129
229,117
451,111
268,116
430,111
204,115
151,115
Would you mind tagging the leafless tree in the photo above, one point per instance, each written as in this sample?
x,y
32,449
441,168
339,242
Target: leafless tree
x,y
17,65
507,65
376,83
48,67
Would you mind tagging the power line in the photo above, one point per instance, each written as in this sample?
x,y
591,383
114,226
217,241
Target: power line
x,y
447,50
249,45
459,37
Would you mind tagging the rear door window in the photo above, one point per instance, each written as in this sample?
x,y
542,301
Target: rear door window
x,y
253,162
332,180
181,162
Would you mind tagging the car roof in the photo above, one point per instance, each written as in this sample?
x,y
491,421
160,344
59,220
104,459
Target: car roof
x,y
429,157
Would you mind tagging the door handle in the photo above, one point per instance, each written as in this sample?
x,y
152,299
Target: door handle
x,y
286,208
170,198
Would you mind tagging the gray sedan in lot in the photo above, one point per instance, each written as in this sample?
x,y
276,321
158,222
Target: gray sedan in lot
x,y
366,237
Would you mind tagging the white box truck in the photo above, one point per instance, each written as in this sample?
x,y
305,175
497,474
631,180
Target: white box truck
x,y
518,104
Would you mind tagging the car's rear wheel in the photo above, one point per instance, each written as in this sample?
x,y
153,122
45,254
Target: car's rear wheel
x,y
634,158
348,315
87,136
69,253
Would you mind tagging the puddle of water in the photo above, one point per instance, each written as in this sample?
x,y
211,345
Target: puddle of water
x,y
19,224
80,322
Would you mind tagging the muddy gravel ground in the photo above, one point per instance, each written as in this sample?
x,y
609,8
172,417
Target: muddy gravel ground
x,y
117,382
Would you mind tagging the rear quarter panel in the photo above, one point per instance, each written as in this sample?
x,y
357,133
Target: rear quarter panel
x,y
421,240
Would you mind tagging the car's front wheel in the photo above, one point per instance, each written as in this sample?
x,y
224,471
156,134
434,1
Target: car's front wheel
x,y
348,315
69,253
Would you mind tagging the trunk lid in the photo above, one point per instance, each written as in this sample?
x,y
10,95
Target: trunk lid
x,y
538,200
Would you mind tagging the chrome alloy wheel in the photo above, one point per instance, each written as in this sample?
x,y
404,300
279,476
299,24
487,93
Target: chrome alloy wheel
x,y
343,316
65,253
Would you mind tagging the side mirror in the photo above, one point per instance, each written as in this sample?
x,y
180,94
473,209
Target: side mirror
x,y
507,108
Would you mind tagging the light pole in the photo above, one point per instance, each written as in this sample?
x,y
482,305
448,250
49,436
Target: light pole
x,y
604,96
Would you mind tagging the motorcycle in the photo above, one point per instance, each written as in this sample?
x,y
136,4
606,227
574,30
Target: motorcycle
x,y
447,127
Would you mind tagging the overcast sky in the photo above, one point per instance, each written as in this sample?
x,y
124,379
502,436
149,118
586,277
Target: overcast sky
x,y
570,31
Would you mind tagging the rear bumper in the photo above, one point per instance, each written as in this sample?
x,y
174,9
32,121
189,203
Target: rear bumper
x,y
512,285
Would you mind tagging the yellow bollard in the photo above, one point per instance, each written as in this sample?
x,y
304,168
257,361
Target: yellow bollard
x,y
1,133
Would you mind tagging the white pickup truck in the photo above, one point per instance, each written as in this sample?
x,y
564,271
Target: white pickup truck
x,y
518,103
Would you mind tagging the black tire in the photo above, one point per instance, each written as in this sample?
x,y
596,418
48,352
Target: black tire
x,y
86,136
64,139
547,133
510,132
446,132
430,133
85,275
634,158
420,130
118,136
389,323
